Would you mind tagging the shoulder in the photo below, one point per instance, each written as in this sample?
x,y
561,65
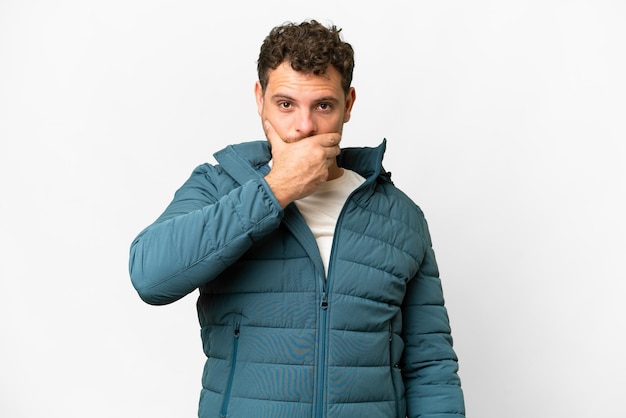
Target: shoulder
x,y
206,179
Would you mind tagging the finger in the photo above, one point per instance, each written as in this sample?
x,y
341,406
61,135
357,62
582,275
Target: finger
x,y
333,151
330,140
271,134
330,144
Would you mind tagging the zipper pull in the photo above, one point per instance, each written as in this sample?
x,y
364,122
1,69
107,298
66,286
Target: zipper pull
x,y
237,330
324,303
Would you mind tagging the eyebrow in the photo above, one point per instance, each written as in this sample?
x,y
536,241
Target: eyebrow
x,y
278,97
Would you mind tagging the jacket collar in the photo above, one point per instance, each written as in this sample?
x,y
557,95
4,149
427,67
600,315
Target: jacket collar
x,y
248,160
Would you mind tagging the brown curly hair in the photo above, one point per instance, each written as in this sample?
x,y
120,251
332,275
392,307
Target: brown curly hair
x,y
309,47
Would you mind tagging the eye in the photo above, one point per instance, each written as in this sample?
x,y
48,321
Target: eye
x,y
324,107
284,105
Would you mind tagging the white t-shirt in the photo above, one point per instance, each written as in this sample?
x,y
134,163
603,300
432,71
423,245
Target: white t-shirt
x,y
321,209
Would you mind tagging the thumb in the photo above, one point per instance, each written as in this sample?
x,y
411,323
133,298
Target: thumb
x,y
272,136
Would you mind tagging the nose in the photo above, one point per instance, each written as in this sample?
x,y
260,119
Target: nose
x,y
304,123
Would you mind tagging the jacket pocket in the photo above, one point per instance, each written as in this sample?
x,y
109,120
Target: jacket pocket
x,y
233,365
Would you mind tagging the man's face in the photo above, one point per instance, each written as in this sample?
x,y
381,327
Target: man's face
x,y
300,105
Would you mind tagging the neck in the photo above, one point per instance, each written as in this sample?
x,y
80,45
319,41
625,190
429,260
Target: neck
x,y
334,171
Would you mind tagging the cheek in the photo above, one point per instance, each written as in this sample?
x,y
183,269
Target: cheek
x,y
280,123
333,125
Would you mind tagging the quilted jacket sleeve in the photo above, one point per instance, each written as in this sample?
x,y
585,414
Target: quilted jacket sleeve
x,y
430,367
203,231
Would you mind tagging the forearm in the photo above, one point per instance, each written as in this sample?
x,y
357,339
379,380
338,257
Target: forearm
x,y
175,256
433,387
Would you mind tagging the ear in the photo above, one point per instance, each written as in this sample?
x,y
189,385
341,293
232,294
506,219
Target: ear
x,y
350,99
258,94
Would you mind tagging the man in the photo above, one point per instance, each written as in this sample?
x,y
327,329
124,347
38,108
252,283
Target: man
x,y
319,293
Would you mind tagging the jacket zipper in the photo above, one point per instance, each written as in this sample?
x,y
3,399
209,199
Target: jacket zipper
x,y
232,371
321,364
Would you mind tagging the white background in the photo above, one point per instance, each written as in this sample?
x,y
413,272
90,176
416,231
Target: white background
x,y
505,122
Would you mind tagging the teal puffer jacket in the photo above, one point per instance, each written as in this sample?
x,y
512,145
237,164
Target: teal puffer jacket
x,y
370,340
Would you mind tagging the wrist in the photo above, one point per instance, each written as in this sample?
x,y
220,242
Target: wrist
x,y
279,192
